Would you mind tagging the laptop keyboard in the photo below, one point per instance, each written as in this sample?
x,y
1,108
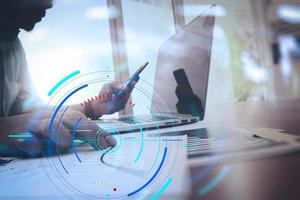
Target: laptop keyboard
x,y
207,142
143,119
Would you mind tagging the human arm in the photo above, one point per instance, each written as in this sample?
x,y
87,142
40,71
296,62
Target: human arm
x,y
34,126
107,102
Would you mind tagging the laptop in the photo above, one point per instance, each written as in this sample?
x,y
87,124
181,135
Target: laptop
x,y
181,80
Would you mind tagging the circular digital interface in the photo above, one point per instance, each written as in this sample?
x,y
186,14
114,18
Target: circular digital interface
x,y
139,166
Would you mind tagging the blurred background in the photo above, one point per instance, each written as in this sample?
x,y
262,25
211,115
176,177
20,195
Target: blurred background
x,y
255,56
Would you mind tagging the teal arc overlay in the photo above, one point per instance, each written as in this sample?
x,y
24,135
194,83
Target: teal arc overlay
x,y
25,135
56,138
61,104
142,144
62,81
153,177
157,153
73,138
214,182
162,190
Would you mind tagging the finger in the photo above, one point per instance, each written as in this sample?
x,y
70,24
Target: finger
x,y
115,84
62,137
106,96
134,82
105,140
99,137
116,90
128,89
82,129
125,95
107,88
88,131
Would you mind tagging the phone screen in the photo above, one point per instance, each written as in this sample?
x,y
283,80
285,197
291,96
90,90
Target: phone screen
x,y
134,77
182,80
136,74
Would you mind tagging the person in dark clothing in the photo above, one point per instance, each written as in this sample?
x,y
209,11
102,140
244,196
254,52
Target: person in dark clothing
x,y
16,88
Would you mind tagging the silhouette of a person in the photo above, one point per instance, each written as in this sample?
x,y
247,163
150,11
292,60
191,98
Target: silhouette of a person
x,y
16,88
188,102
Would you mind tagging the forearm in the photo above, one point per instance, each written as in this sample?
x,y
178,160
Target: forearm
x,y
24,104
5,129
10,125
19,146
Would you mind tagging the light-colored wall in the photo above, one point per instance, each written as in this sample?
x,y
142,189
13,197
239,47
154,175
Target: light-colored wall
x,y
286,75
243,64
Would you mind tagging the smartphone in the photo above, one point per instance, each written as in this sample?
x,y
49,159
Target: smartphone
x,y
134,77
182,80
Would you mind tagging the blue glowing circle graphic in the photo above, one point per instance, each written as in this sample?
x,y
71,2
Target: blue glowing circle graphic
x,y
139,166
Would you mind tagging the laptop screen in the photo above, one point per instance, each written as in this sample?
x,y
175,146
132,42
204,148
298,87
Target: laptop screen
x,y
181,77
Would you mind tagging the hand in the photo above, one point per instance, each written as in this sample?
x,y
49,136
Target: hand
x,y
109,102
88,130
36,126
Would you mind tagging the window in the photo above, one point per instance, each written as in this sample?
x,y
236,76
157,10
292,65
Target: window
x,y
146,25
73,36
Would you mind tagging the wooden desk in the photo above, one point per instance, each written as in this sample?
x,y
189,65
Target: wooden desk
x,y
272,178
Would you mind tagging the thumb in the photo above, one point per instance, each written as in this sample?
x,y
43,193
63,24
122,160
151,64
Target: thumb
x,y
134,82
88,131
